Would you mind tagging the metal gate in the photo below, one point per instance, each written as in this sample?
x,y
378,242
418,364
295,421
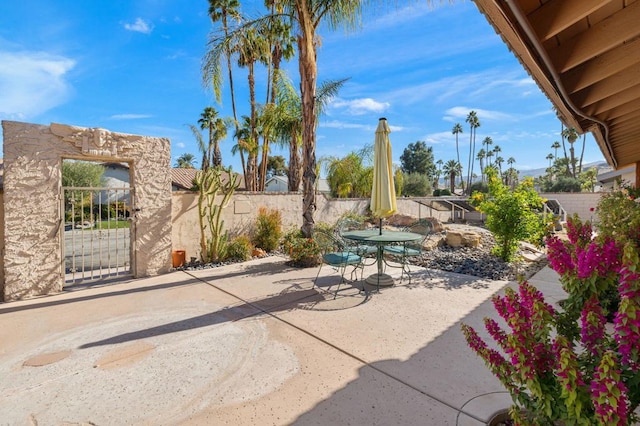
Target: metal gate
x,y
97,234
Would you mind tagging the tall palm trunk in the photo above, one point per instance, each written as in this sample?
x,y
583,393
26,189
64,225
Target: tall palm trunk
x,y
458,154
250,177
225,26
470,162
308,75
584,140
564,148
294,163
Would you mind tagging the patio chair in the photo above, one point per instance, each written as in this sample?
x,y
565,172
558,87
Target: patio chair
x,y
403,253
337,255
366,251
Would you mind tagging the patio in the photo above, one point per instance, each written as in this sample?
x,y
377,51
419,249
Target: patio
x,y
252,343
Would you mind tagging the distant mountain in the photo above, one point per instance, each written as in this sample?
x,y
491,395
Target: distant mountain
x,y
601,165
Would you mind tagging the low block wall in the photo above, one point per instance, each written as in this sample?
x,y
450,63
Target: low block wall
x,y
579,203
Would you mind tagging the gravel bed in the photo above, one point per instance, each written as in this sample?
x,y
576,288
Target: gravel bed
x,y
479,261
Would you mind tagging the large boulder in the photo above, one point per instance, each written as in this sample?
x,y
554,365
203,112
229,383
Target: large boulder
x,y
400,220
471,239
462,239
454,239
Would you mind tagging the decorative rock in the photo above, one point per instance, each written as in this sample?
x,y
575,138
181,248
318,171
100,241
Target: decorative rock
x,y
400,220
454,239
258,252
471,239
435,224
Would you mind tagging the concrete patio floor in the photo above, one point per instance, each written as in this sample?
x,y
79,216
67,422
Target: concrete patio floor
x,y
252,344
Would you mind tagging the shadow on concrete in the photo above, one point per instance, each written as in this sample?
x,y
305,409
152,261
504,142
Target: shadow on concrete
x,y
280,302
48,302
443,383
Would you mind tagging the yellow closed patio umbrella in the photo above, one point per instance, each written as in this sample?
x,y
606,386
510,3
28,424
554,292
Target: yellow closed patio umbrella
x,y
383,192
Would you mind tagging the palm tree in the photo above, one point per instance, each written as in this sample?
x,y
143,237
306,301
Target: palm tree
x,y
498,162
287,118
223,10
480,157
555,147
584,140
217,128
497,150
308,15
457,129
486,142
451,168
436,180
572,135
550,158
186,161
474,123
277,34
246,142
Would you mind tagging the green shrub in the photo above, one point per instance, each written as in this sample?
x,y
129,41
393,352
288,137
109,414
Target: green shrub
x,y
479,187
445,191
619,215
240,248
512,215
566,184
416,185
268,229
302,251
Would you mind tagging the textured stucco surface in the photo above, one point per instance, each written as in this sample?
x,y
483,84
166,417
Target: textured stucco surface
x,y
32,210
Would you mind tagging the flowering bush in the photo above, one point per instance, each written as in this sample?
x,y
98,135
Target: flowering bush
x,y
303,251
565,366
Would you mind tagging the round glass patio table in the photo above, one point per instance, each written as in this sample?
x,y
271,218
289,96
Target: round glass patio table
x,y
381,239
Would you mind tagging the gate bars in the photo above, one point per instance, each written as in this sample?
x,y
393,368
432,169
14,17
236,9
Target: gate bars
x,y
96,245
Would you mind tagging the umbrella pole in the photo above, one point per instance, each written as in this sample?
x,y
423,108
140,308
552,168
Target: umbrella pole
x,y
380,226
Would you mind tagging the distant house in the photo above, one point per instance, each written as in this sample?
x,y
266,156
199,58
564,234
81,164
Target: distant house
x,y
116,176
610,180
281,184
182,179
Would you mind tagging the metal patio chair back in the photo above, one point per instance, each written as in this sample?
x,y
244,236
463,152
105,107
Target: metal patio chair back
x,y
338,255
403,253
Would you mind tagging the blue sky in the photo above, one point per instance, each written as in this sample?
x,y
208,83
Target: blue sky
x,y
133,66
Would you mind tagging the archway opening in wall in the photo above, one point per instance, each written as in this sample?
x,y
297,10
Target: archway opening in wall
x,y
97,208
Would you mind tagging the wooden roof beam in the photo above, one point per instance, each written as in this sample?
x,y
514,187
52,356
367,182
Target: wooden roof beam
x,y
602,66
557,15
605,35
613,85
628,98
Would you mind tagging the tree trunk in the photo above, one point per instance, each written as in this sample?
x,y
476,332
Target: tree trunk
x,y
584,140
251,157
294,164
308,75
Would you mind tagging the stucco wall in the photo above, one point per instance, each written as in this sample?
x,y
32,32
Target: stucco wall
x,y
579,203
32,218
241,214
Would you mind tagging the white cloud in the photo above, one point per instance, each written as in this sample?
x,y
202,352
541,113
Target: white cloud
x,y
32,83
129,116
140,26
342,125
459,113
181,145
360,106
